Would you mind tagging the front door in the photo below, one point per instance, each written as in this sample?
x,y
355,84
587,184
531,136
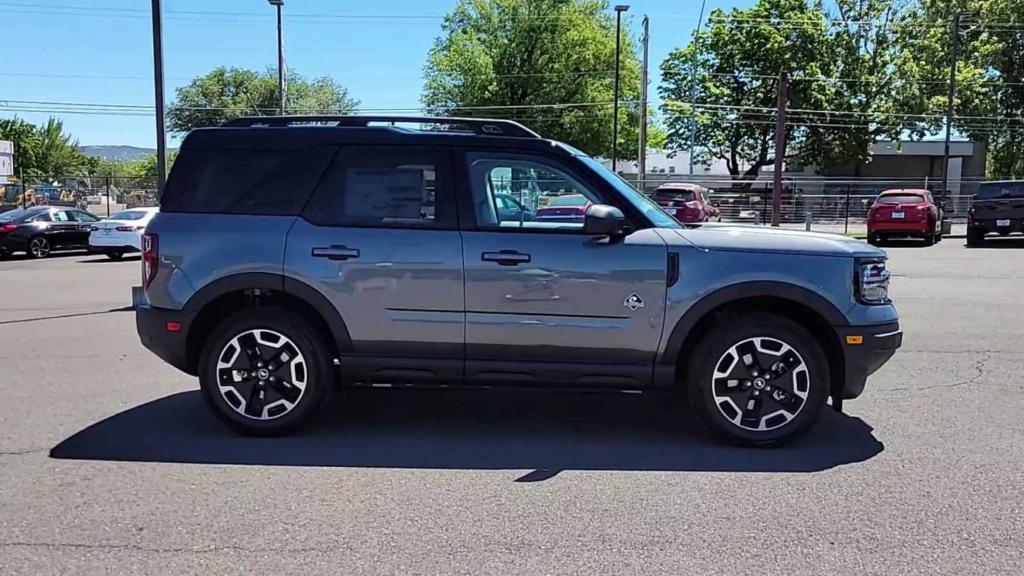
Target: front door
x,y
545,302
379,238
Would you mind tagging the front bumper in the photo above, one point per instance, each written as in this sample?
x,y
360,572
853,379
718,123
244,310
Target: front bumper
x,y
151,324
878,343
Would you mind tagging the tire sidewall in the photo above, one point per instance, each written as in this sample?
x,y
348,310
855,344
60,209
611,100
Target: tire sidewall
x,y
305,338
28,250
734,329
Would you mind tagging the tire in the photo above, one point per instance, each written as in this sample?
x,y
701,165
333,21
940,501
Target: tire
x,y
722,402
875,239
283,409
975,237
115,254
929,237
38,247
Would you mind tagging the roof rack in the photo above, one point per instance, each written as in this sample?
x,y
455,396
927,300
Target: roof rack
x,y
479,126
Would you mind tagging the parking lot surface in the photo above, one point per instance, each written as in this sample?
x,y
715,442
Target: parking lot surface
x,y
111,464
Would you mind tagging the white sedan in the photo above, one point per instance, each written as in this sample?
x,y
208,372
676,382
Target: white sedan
x,y
121,233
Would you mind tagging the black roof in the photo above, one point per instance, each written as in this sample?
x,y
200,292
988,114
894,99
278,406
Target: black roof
x,y
299,132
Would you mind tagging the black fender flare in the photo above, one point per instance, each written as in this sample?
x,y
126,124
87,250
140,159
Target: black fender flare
x,y
279,283
742,290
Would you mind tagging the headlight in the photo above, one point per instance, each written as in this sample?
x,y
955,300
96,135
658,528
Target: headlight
x,y
872,282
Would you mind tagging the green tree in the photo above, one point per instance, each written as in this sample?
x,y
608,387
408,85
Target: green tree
x,y
548,64
722,88
990,97
43,151
227,93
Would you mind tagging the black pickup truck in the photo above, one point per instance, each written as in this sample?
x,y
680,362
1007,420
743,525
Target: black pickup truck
x,y
997,207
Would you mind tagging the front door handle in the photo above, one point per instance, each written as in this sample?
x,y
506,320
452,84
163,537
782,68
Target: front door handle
x,y
335,252
505,257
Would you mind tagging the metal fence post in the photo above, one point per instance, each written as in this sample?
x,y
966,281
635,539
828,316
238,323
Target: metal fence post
x,y
764,209
109,179
846,218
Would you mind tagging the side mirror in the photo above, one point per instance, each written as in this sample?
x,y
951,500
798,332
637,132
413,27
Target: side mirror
x,y
604,220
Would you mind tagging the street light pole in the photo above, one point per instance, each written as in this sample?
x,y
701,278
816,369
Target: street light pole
x,y
619,9
693,89
281,90
950,103
641,164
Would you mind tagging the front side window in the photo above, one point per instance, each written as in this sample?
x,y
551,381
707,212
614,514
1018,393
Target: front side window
x,y
84,217
395,187
518,191
996,190
62,216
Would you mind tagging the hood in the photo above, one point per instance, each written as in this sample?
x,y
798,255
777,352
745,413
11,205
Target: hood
x,y
741,238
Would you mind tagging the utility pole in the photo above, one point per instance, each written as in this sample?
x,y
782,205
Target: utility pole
x,y
282,91
642,147
615,105
950,102
693,89
158,96
780,146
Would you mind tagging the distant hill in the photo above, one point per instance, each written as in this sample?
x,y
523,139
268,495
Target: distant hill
x,y
117,152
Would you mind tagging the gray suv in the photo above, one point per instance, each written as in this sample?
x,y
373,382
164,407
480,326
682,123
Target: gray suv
x,y
294,253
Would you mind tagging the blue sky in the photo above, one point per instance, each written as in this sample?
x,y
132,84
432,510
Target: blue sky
x,y
100,51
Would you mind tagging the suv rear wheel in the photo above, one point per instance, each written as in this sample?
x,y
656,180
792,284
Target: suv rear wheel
x,y
265,371
759,379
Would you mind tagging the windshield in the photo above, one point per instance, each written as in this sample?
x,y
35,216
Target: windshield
x,y
995,190
129,215
674,195
12,215
899,199
639,200
571,200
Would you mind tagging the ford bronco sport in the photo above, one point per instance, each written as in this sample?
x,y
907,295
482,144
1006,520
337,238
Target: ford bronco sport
x,y
293,253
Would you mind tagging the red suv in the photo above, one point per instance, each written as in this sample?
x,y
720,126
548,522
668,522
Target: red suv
x,y
905,214
687,202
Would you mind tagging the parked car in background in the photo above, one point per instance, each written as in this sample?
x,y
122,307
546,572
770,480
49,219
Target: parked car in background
x,y
997,207
511,210
905,213
40,230
687,202
121,233
567,208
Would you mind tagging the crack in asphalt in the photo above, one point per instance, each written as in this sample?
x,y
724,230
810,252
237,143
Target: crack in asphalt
x,y
979,370
153,550
73,315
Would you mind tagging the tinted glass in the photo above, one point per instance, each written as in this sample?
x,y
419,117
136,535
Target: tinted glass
x,y
900,199
994,190
129,215
396,187
84,217
231,181
675,195
572,200
62,216
41,217
12,215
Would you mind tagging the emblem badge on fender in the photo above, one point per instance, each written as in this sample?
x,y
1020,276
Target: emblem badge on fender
x,y
634,302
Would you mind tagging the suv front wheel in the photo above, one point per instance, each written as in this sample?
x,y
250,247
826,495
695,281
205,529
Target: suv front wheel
x,y
758,379
265,371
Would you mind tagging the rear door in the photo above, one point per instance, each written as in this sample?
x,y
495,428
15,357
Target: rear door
x,y
379,239
63,229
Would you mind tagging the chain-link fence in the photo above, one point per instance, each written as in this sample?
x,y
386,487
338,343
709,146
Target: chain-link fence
x,y
101,196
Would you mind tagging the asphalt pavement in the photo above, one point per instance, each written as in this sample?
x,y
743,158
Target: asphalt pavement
x,y
110,464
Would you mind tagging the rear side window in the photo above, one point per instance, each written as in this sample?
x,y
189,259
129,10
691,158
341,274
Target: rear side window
x,y
996,190
389,187
244,181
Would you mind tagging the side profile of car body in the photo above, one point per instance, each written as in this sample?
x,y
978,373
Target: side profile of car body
x,y
997,208
121,233
39,230
688,203
289,257
905,213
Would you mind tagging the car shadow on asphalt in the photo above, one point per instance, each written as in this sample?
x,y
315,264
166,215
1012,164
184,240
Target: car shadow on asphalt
x,y
546,432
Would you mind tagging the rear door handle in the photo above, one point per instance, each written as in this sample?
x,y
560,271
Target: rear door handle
x,y
335,252
505,257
